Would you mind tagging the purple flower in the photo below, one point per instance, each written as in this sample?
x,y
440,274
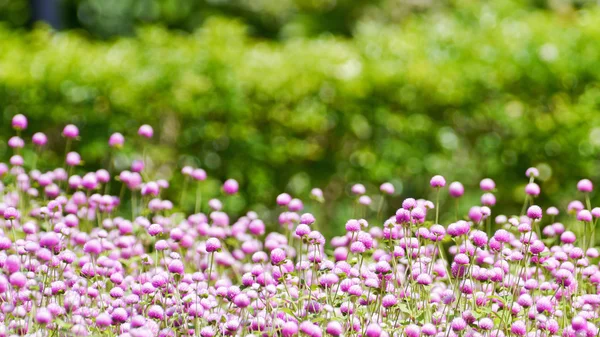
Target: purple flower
x,y
70,131
213,245
437,181
19,122
146,131
487,185
585,185
456,189
387,188
534,212
231,186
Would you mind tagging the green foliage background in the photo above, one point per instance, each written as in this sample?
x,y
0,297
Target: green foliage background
x,y
471,90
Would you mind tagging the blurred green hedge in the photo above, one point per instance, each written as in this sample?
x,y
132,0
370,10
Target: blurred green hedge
x,y
479,91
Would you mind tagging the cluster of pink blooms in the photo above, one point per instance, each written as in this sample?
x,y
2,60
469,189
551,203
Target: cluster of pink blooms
x,y
72,264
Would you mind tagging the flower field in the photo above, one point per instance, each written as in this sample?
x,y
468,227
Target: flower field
x,y
74,262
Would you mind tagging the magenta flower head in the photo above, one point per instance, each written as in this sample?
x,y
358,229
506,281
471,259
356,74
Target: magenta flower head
x,y
307,219
137,166
176,267
73,159
585,185
575,206
213,245
116,140
278,256
534,212
532,189
295,205
155,229
568,237
11,213
596,212
317,194
70,131
458,324
334,328
289,329
409,203
475,214
584,215
39,139
488,199
412,330
437,181
373,330
553,211
456,189
146,131
359,189
364,200
532,172
16,160
518,328
283,199
198,174
387,188
19,122
487,184
16,142
231,186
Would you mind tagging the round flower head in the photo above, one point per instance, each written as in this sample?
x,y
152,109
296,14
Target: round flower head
x,y
456,189
11,213
575,206
437,181
584,215
585,185
518,328
532,172
19,122
116,140
307,219
488,199
458,324
289,329
534,212
475,214
364,200
532,189
596,212
16,142
146,131
213,245
16,160
487,184
278,256
412,330
373,330
568,237
283,199
295,205
317,193
359,189
39,139
553,211
231,186
70,131
409,203
334,328
198,174
387,188
73,159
